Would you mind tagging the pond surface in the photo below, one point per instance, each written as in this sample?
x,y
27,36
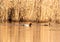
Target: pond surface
x,y
15,32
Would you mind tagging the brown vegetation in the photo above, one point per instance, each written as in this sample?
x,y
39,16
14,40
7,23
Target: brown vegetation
x,y
31,10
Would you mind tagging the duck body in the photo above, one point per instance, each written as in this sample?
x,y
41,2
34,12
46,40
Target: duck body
x,y
27,25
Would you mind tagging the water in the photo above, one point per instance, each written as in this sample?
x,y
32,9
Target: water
x,y
15,32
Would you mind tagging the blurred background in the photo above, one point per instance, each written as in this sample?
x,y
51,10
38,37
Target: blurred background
x,y
45,12
30,10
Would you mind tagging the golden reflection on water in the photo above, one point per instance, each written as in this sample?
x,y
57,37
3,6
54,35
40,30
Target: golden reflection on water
x,y
14,32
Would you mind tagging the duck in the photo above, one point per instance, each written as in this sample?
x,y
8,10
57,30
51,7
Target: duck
x,y
27,25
